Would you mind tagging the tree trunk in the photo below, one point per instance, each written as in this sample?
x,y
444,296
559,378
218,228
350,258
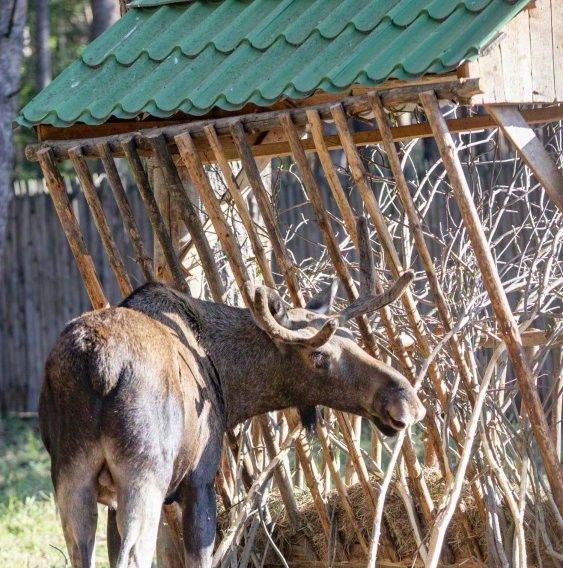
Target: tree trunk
x,y
12,21
42,51
104,14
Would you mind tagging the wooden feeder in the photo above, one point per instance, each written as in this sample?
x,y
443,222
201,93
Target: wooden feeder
x,y
176,85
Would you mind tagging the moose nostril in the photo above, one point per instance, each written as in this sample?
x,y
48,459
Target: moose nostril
x,y
398,424
400,414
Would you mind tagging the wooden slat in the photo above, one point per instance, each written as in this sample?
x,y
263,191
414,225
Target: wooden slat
x,y
89,189
155,218
189,216
283,259
493,284
517,60
129,224
323,221
531,150
70,226
238,199
331,175
212,206
541,47
557,40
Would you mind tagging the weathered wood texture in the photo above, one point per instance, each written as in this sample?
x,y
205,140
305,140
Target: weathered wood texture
x,y
505,319
525,65
530,148
255,123
57,189
43,290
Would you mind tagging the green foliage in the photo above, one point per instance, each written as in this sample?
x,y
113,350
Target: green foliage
x,y
30,529
70,29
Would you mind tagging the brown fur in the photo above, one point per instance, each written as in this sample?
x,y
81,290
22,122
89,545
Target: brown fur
x,y
136,400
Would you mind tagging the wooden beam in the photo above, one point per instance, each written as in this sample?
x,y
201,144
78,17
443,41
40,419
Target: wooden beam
x,y
281,148
530,148
530,338
392,89
153,212
238,197
261,122
286,266
189,216
84,262
95,206
507,324
129,223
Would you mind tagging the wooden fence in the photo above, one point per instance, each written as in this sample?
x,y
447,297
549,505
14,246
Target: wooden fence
x,y
41,289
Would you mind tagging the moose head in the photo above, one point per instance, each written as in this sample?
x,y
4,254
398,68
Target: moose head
x,y
321,347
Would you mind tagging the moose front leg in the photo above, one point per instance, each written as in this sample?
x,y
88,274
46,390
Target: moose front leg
x,y
199,521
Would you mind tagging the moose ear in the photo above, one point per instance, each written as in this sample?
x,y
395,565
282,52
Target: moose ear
x,y
322,302
276,305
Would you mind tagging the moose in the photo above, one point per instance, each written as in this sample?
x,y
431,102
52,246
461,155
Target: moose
x,y
137,398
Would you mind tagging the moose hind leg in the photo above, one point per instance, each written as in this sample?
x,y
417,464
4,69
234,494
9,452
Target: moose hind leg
x,y
138,514
199,523
78,509
113,538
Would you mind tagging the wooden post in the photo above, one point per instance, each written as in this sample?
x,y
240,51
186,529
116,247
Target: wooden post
x,y
226,237
129,223
236,195
169,260
255,180
95,206
84,262
531,150
188,214
507,324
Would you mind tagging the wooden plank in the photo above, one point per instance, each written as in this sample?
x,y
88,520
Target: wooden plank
x,y
129,224
491,78
541,47
189,215
517,60
98,215
364,138
493,284
557,39
153,212
531,150
70,226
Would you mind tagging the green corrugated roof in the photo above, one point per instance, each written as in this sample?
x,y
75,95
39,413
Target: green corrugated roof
x,y
166,56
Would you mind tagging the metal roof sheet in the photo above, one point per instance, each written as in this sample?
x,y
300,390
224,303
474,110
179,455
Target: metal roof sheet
x,y
166,56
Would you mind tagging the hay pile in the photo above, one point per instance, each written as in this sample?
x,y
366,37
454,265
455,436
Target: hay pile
x,y
397,534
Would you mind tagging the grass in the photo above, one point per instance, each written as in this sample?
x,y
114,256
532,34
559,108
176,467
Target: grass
x,y
30,529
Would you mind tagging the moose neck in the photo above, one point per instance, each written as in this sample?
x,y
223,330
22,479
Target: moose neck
x,y
255,376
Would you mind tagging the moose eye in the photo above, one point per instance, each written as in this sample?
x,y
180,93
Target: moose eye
x,y
320,360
